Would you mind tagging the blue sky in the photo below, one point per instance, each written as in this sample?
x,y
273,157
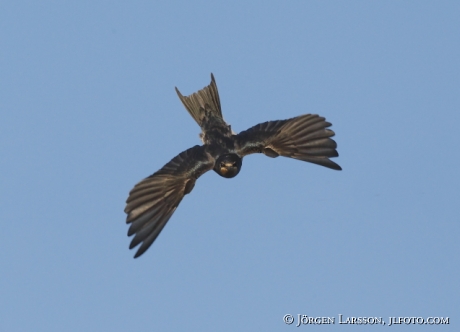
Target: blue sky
x,y
88,109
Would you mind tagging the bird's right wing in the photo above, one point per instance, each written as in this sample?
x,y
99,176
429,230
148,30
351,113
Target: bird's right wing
x,y
304,137
153,200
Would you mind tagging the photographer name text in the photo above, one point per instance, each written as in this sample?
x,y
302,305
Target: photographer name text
x,y
341,319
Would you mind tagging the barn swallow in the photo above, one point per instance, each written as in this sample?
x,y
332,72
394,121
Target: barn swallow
x,y
153,200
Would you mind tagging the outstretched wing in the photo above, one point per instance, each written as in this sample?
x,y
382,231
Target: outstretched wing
x,y
153,200
304,137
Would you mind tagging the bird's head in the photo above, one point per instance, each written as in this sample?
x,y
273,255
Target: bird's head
x,y
228,165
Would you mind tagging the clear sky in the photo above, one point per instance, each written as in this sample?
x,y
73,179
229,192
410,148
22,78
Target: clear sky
x,y
88,109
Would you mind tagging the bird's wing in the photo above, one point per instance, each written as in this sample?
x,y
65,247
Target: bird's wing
x,y
153,200
304,137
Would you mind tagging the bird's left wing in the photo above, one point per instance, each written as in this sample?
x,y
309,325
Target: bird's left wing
x,y
304,137
153,200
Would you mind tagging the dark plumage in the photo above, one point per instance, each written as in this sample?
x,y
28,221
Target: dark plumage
x,y
153,200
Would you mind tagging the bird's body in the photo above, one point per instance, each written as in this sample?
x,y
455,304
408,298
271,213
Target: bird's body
x,y
153,200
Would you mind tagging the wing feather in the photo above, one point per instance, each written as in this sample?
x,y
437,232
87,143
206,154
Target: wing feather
x,y
305,137
153,200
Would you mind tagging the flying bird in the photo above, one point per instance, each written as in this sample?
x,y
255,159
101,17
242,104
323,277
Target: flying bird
x,y
153,200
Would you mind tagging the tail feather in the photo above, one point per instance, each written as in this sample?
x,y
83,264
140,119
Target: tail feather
x,y
196,102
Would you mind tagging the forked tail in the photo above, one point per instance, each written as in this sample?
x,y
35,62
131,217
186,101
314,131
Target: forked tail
x,y
196,102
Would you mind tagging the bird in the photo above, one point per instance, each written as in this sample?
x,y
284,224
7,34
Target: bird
x,y
153,200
